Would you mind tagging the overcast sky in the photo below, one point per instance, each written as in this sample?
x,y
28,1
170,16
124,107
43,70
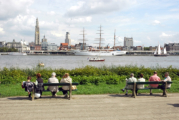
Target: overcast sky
x,y
149,22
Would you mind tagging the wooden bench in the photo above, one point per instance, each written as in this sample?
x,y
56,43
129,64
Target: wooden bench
x,y
57,84
144,83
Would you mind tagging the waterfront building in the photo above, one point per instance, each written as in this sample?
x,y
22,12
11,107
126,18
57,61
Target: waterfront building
x,y
172,46
80,46
67,39
128,42
52,47
152,48
37,33
63,46
44,45
38,47
2,43
44,39
32,46
138,48
20,46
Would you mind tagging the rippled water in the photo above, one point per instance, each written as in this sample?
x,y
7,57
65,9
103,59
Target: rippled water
x,y
70,62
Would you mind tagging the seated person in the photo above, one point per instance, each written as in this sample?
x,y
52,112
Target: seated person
x,y
131,79
141,79
29,86
154,78
66,79
53,89
167,78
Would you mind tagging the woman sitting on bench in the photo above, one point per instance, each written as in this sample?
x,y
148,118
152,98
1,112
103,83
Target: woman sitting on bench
x,y
53,89
66,79
28,86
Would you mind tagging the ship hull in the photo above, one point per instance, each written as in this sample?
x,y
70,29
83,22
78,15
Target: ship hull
x,y
99,53
162,55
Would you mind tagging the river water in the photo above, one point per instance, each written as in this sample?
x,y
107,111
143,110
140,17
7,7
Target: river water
x,y
71,62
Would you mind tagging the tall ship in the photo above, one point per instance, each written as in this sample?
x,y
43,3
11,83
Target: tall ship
x,y
159,53
98,52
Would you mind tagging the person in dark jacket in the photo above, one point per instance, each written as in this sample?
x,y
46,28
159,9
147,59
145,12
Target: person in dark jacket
x,y
29,86
39,86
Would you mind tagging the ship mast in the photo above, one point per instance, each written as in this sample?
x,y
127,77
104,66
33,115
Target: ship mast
x,y
100,39
83,38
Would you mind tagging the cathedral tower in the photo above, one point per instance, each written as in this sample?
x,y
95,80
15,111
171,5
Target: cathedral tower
x,y
37,33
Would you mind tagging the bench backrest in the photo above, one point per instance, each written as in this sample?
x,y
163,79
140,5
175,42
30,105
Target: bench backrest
x,y
59,84
132,83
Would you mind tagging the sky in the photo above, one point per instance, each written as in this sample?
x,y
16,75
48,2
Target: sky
x,y
149,22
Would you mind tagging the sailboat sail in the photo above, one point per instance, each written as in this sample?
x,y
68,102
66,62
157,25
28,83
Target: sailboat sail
x,y
155,51
164,51
159,50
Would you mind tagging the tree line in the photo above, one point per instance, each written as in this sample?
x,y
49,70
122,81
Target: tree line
x,y
5,49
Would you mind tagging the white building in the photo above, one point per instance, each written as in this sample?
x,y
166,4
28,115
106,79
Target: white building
x,y
128,42
52,47
20,46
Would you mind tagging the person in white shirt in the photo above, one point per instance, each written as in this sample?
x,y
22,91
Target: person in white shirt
x,y
167,78
66,79
131,79
53,89
141,79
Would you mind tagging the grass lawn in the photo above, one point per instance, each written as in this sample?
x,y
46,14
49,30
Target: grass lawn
x,y
7,90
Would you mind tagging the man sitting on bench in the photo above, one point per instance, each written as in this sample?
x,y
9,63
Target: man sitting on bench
x,y
167,78
154,78
131,79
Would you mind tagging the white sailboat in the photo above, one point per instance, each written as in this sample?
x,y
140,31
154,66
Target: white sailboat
x,y
159,53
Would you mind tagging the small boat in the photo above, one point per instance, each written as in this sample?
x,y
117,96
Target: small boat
x,y
96,59
17,53
41,64
159,53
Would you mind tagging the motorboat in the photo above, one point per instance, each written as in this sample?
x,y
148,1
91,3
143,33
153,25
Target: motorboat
x,y
17,53
96,59
41,64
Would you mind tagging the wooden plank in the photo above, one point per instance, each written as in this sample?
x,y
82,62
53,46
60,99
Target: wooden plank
x,y
131,83
70,91
33,94
134,89
60,84
165,89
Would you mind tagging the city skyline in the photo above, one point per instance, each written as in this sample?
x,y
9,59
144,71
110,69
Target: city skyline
x,y
148,22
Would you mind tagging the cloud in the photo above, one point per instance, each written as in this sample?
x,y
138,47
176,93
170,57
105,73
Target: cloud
x,y
174,9
165,35
11,8
91,7
56,33
1,31
79,20
156,22
51,13
137,41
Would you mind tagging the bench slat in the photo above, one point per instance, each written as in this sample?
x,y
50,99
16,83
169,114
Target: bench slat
x,y
132,83
60,84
